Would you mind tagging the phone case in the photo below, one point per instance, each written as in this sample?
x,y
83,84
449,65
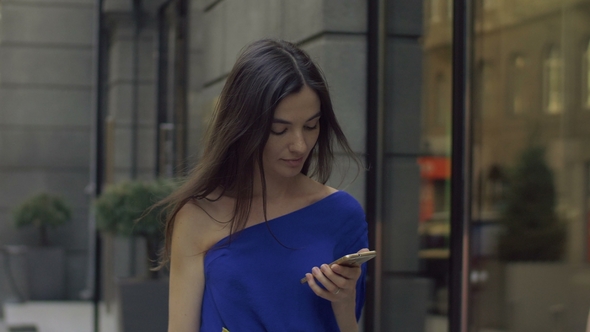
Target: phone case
x,y
355,259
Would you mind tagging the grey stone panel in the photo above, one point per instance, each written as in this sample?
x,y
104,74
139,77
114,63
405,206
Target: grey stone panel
x,y
261,17
306,18
274,23
152,6
45,147
196,34
348,177
345,15
406,301
17,184
343,61
36,65
32,106
146,147
200,108
401,208
203,4
404,17
197,49
117,5
74,234
122,62
195,126
76,273
302,19
403,96
214,22
46,25
122,27
47,3
196,70
121,103
143,173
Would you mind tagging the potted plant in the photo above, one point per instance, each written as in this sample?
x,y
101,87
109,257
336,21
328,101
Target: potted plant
x,y
124,209
532,230
44,264
121,210
532,245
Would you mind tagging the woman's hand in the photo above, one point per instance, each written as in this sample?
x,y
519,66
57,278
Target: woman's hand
x,y
335,283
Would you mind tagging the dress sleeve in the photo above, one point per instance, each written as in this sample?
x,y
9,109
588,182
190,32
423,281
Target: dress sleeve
x,y
359,243
355,237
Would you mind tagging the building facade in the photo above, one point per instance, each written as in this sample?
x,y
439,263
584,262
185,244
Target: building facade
x,y
127,93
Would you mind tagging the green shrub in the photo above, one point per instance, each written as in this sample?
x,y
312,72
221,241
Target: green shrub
x,y
532,230
122,209
43,211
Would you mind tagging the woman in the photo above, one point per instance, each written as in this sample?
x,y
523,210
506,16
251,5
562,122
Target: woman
x,y
251,221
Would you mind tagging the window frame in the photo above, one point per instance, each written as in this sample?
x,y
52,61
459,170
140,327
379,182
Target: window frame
x,y
553,80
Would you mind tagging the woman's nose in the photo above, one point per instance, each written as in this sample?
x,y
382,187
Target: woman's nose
x,y
298,144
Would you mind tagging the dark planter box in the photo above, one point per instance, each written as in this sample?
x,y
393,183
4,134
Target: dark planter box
x,y
143,304
38,272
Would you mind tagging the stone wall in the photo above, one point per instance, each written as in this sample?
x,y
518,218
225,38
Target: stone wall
x,y
333,32
45,112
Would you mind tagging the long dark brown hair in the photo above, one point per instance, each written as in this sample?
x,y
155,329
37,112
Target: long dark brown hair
x,y
266,72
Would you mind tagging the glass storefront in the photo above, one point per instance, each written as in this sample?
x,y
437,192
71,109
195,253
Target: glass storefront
x,y
529,228
413,230
529,188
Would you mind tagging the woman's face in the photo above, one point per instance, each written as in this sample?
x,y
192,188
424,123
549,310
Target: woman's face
x,y
294,132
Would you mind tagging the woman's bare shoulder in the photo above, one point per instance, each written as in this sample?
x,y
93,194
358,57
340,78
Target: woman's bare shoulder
x,y
199,224
317,190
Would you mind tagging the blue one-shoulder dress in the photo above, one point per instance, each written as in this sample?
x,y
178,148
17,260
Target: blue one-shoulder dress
x,y
252,283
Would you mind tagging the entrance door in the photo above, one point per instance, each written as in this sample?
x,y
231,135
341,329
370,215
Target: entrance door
x,y
531,147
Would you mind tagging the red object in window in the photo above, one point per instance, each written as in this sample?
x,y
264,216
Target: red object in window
x,y
426,201
435,168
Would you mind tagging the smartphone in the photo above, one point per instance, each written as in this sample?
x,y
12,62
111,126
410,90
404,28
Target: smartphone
x,y
355,259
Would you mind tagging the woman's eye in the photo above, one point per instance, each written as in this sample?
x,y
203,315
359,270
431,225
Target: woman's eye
x,y
278,132
311,127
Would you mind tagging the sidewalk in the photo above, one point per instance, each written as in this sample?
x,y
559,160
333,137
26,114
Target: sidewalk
x,y
57,316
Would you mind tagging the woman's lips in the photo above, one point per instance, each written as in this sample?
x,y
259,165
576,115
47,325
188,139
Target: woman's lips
x,y
294,162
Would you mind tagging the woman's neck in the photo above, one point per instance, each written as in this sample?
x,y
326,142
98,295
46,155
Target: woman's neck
x,y
277,188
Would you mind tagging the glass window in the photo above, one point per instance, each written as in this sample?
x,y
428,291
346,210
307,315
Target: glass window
x,y
449,10
172,89
435,11
415,228
442,97
484,99
553,81
490,4
529,263
586,77
515,84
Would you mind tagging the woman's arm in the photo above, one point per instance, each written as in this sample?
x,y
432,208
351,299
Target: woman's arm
x,y
187,279
339,287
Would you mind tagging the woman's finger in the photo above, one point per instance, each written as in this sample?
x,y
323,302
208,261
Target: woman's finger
x,y
347,272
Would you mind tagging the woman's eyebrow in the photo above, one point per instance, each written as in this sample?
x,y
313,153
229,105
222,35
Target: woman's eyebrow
x,y
275,120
